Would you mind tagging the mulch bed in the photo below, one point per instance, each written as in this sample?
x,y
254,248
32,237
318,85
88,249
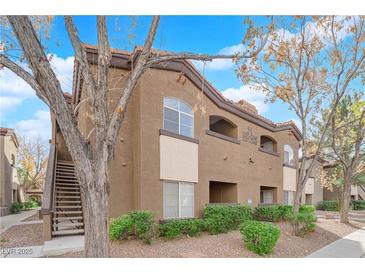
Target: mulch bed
x,y
22,235
230,245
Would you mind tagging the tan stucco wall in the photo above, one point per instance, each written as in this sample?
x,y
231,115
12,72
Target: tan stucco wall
x,y
135,170
309,186
8,174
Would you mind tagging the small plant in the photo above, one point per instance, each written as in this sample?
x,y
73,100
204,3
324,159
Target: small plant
x,y
30,204
259,237
223,218
302,223
120,228
175,228
310,209
358,205
328,206
144,225
269,213
16,207
285,211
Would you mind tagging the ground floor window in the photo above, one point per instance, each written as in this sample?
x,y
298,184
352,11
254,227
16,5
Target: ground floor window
x,y
178,200
288,197
268,195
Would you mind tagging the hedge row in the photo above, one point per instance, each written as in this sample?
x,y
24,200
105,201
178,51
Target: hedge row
x,y
17,206
259,237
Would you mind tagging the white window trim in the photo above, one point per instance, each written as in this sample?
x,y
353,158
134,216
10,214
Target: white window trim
x,y
290,153
178,111
179,195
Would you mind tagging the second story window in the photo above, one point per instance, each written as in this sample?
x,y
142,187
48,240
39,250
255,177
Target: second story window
x,y
178,117
268,144
288,155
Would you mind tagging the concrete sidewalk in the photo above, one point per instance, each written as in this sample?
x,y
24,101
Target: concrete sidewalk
x,y
8,221
350,246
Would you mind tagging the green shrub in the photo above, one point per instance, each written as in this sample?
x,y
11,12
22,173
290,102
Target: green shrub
x,y
285,211
144,225
302,223
310,209
175,228
16,207
358,205
30,204
269,213
328,206
223,218
259,237
120,228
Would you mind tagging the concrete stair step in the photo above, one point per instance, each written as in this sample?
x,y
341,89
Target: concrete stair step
x,y
67,212
67,218
65,207
68,192
68,202
67,225
68,232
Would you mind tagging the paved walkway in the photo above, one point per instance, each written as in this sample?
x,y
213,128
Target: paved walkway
x,y
8,221
350,246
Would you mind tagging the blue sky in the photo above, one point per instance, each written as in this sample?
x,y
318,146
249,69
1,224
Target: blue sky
x,y
20,109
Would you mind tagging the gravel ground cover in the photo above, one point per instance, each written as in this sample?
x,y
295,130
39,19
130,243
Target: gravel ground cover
x,y
22,235
230,245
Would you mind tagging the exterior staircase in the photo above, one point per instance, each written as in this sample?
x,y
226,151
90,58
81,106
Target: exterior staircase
x,y
67,216
361,192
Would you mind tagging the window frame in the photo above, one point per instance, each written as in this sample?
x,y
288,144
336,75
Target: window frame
x,y
179,199
179,118
290,159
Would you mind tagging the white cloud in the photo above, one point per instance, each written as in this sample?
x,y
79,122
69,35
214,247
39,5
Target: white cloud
x,y
13,90
221,64
249,94
37,126
64,70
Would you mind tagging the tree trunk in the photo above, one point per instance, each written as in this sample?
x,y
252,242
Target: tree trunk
x,y
95,201
345,201
297,197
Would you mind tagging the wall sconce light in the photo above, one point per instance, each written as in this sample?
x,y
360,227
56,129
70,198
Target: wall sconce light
x,y
225,158
124,164
251,161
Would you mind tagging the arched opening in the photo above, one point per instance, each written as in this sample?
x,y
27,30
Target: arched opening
x,y
268,144
222,126
288,155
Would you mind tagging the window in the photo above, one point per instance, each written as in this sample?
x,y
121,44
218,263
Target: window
x,y
288,197
268,144
178,117
178,200
222,126
288,155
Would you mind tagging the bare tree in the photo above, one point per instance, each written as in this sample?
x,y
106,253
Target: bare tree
x,y
92,163
309,64
31,162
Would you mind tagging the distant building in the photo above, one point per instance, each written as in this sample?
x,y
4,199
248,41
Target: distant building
x,y
9,183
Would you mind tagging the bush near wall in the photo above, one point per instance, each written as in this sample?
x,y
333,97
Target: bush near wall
x,y
303,222
259,237
328,206
139,223
223,218
16,207
358,205
175,228
30,204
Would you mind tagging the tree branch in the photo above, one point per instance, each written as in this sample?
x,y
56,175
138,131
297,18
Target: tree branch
x,y
26,76
121,107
